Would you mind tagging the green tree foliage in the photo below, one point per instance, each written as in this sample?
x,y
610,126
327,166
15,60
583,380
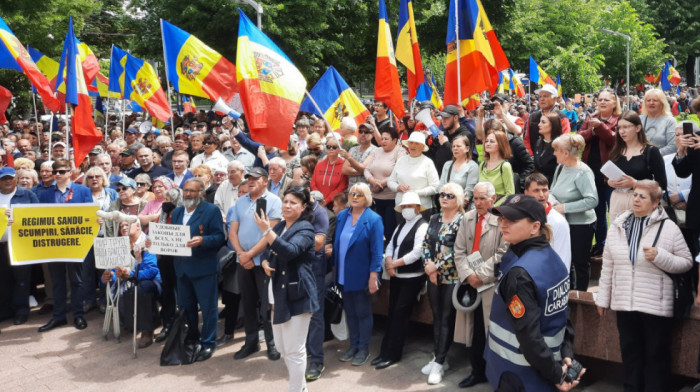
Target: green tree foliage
x,y
565,38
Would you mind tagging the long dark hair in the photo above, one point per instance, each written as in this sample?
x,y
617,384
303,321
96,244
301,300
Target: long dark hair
x,y
555,120
303,195
620,146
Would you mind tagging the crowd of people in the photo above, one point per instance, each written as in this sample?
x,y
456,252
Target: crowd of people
x,y
507,204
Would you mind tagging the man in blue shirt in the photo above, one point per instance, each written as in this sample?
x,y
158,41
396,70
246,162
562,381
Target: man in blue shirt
x,y
65,191
247,240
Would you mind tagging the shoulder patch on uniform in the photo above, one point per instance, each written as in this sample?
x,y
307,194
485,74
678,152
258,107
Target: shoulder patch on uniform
x,y
516,307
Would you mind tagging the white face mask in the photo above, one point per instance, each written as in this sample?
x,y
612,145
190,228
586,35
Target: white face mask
x,y
408,213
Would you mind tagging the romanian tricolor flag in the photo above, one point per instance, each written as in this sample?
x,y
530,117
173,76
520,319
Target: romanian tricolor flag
x,y
270,86
335,99
14,56
386,76
188,104
669,76
117,65
407,50
537,74
503,82
473,44
193,68
91,67
101,83
559,86
516,85
85,135
142,86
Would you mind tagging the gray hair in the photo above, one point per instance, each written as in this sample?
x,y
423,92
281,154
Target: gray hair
x,y
490,189
278,161
162,139
104,155
349,123
143,177
175,195
235,164
120,143
96,170
197,180
47,165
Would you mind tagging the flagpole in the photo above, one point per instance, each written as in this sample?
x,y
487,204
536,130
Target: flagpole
x,y
67,135
459,74
50,134
313,101
36,121
170,107
106,126
123,118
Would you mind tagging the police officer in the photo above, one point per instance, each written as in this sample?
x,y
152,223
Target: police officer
x,y
530,343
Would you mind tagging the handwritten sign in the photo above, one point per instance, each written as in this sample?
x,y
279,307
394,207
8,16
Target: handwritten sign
x,y
112,252
169,240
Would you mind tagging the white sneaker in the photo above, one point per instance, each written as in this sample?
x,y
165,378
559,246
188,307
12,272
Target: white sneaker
x,y
428,367
436,373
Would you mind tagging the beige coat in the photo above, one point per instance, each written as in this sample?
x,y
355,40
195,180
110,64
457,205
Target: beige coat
x,y
492,247
642,287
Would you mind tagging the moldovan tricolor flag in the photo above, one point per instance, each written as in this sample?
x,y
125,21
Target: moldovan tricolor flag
x,y
91,67
407,50
537,74
142,86
85,135
117,74
101,83
335,99
481,57
14,56
271,87
194,68
386,76
47,65
516,85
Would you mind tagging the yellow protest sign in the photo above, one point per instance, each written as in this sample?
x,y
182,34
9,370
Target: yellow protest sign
x,y
52,232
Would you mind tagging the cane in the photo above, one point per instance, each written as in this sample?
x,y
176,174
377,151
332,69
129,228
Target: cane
x,y
136,293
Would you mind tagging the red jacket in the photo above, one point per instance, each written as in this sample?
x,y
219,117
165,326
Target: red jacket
x,y
606,137
329,179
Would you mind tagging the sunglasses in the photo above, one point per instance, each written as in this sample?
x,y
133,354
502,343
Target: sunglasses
x,y
448,196
332,147
93,177
356,195
366,132
61,171
315,150
208,143
121,188
142,184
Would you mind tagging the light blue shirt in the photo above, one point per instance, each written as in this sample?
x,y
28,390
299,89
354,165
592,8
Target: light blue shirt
x,y
275,189
248,231
345,236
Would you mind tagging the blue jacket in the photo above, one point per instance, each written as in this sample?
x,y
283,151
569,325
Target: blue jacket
x,y
188,175
206,222
24,196
81,194
293,283
365,250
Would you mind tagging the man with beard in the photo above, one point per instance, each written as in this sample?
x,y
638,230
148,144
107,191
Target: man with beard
x,y
196,275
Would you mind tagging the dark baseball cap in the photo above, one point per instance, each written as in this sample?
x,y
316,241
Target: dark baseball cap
x,y
132,131
450,110
127,152
256,172
500,98
517,207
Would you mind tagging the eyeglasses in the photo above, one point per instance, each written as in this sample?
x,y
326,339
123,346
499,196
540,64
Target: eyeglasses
x,y
61,171
357,195
93,177
315,150
332,147
142,184
366,132
448,196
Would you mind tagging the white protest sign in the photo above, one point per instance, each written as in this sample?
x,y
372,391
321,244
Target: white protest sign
x,y
112,252
169,240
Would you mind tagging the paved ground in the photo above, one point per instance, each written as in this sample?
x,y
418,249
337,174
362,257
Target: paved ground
x,y
66,359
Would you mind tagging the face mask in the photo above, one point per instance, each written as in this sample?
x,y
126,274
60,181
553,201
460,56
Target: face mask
x,y
168,207
408,213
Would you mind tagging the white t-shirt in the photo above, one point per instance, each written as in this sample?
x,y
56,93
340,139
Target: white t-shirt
x,y
5,203
561,240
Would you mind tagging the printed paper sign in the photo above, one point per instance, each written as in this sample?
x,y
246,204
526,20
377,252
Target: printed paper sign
x,y
169,240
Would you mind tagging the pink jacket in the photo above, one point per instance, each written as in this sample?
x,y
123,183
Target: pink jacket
x,y
642,287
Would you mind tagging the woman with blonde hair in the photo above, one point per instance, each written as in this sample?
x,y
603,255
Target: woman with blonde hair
x,y
659,125
574,195
439,263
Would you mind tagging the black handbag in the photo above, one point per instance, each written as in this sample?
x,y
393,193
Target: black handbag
x,y
333,305
177,350
682,287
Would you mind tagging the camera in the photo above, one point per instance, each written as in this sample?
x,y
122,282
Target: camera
x,y
488,106
573,371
